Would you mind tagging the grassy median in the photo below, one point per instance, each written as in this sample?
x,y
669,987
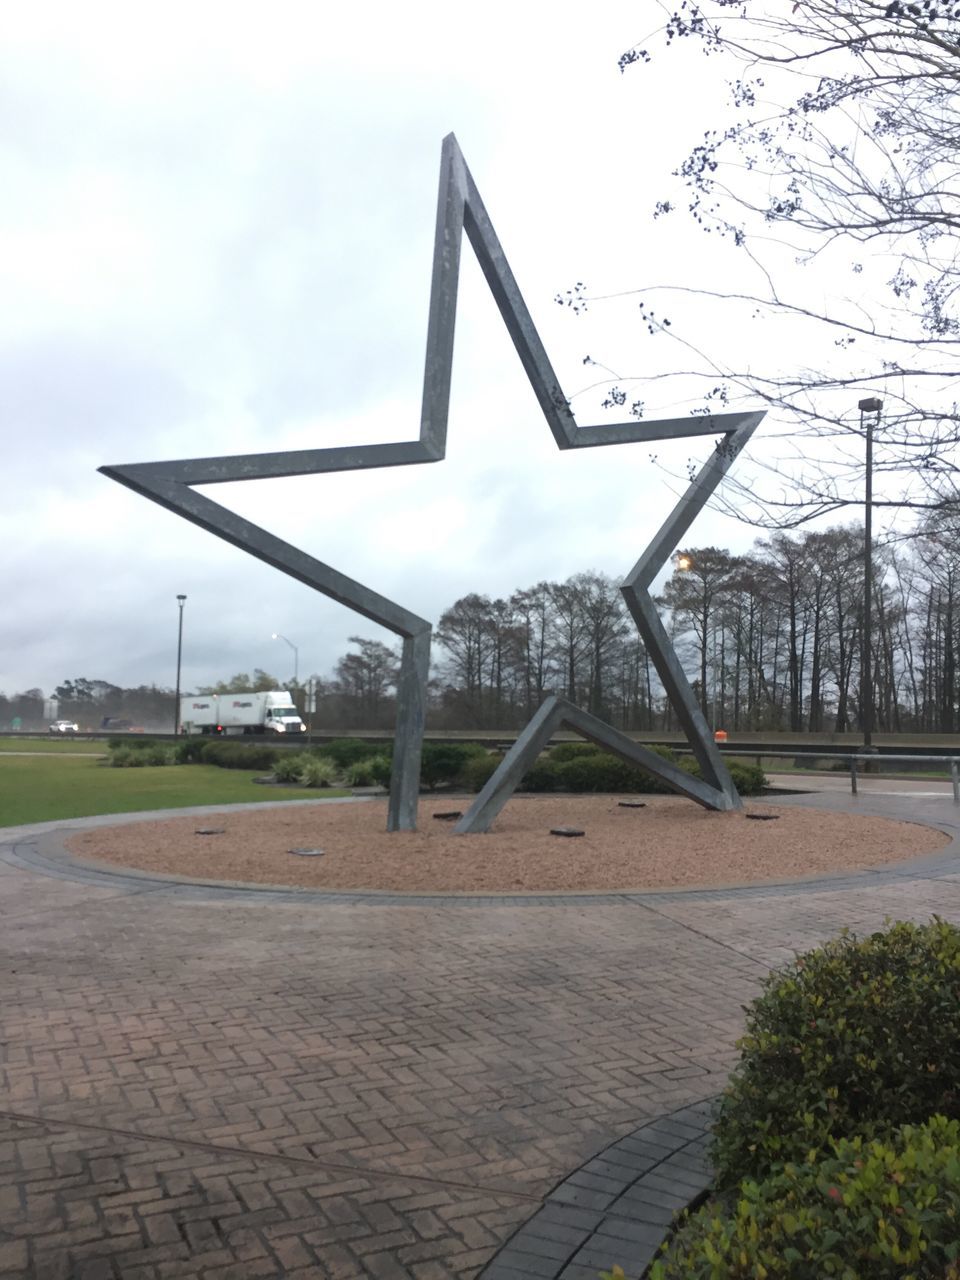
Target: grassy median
x,y
56,745
42,788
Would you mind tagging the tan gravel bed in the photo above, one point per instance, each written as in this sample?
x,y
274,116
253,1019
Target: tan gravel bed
x,y
670,843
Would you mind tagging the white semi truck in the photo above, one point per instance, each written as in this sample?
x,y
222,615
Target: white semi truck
x,y
233,713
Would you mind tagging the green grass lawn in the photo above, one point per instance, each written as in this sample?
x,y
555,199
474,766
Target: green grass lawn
x,y
42,788
65,745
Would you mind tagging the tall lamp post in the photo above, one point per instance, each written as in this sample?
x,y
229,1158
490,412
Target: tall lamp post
x,y
176,703
870,410
296,655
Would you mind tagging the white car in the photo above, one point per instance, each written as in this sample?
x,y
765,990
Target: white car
x,y
63,726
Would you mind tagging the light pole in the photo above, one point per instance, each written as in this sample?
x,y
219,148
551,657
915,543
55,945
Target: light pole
x,y
296,655
176,706
870,410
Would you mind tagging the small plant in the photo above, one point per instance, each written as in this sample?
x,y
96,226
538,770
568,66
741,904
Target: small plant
x,y
855,1037
887,1209
315,772
158,754
119,757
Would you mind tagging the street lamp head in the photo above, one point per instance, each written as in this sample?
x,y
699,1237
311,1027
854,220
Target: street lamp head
x,y
181,599
684,562
870,405
275,636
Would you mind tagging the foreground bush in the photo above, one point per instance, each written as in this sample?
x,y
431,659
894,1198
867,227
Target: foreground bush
x,y
883,1210
856,1037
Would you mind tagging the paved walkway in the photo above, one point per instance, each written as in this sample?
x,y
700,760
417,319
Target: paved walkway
x,y
199,1082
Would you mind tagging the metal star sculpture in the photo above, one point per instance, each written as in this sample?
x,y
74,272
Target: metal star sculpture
x,y
171,484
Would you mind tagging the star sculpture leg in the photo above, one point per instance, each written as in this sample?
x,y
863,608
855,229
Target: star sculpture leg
x,y
171,483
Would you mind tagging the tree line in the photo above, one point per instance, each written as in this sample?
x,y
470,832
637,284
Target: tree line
x,y
771,640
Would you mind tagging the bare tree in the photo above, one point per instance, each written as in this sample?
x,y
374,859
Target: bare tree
x,y
834,177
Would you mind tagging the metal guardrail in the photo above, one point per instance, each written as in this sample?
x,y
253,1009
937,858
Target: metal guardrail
x,y
862,757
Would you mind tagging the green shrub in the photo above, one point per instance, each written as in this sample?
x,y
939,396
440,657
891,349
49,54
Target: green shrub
x,y
315,772
289,767
856,1037
239,755
604,771
131,742
478,770
543,775
887,1209
565,751
445,762
749,779
347,751
158,754
189,750
374,771
119,757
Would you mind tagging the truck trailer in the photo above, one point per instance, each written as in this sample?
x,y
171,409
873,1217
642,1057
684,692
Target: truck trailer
x,y
272,711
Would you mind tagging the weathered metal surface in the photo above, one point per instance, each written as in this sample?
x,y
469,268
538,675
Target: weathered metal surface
x,y
459,208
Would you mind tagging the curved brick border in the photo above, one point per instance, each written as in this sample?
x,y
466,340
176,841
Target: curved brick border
x,y
41,848
616,1208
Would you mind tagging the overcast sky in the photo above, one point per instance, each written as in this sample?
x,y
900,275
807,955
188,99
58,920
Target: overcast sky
x,y
215,237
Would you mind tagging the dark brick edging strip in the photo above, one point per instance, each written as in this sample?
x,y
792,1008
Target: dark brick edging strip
x,y
616,1208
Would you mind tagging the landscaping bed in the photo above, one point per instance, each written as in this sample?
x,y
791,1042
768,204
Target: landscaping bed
x,y
667,843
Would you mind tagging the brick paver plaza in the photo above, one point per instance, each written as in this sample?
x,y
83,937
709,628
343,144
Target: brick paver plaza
x,y
199,1082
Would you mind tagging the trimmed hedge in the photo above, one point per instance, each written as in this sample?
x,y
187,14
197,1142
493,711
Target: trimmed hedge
x,y
374,771
347,751
190,750
856,1037
565,751
479,769
446,761
887,1209
238,755
588,769
150,754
